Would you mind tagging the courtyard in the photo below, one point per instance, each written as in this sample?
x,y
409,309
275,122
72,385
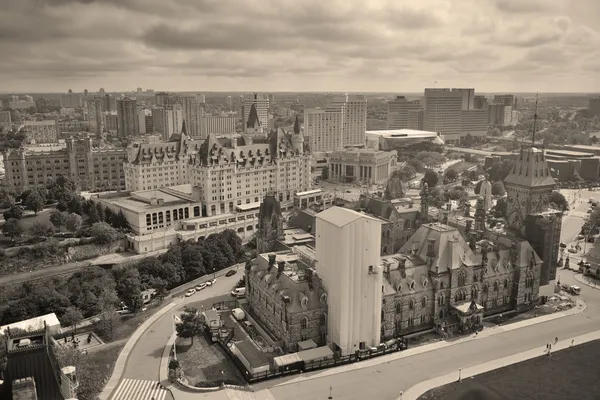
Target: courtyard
x,y
568,374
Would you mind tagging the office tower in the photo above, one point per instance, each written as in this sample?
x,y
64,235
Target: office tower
x,y
480,103
508,100
145,116
41,105
162,98
127,124
94,110
168,120
215,125
271,98
111,122
354,109
352,277
5,119
261,102
101,92
594,106
404,114
229,101
443,112
468,98
110,102
323,128
85,93
202,98
193,109
70,100
139,90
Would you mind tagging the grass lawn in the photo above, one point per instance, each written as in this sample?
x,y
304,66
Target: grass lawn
x,y
203,361
125,325
104,360
568,374
27,221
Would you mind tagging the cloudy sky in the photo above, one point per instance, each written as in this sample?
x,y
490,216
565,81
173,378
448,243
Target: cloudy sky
x,y
300,45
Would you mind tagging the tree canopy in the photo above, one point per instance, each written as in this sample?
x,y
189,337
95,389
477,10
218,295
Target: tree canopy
x,y
189,325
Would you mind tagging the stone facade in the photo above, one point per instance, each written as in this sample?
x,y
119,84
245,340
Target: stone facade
x,y
270,224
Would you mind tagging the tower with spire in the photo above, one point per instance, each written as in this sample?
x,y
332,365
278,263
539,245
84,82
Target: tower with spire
x,y
253,125
424,204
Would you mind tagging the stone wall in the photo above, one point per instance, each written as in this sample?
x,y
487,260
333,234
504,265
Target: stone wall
x,y
87,251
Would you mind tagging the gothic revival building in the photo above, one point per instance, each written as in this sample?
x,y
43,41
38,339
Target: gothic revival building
x,y
270,224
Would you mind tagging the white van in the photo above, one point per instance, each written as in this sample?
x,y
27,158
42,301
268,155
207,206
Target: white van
x,y
239,292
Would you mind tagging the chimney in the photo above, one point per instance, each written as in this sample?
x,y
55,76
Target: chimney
x,y
484,253
272,258
445,217
402,266
280,268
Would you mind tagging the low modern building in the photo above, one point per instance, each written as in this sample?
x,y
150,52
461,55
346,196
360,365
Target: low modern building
x,y
397,138
92,168
367,166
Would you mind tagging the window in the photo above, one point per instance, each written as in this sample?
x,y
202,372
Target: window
x,y
304,323
196,211
441,284
462,279
411,304
323,319
496,286
398,308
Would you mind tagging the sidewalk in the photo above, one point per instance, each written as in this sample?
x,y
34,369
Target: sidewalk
x,y
581,279
265,394
414,392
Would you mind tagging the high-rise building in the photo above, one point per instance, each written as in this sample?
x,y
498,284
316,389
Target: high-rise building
x,y
17,103
480,102
110,102
111,122
261,102
404,114
144,116
468,98
71,100
354,108
508,100
193,109
41,105
101,92
229,101
443,112
127,117
167,120
352,277
162,98
94,108
215,125
41,131
5,119
474,122
594,106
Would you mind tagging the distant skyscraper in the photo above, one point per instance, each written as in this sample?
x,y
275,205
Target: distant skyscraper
x,y
168,120
71,100
594,106
139,90
262,108
41,105
193,109
443,112
468,98
127,117
506,99
215,125
162,98
354,109
229,101
404,114
101,91
480,103
85,93
95,109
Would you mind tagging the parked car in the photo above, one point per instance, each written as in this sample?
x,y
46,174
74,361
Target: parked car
x,y
211,282
239,292
190,292
572,250
231,272
200,287
563,245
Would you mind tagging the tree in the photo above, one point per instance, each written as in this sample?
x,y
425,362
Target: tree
x,y
576,177
500,208
61,206
500,170
90,378
194,262
13,228
91,290
451,175
35,202
155,273
498,189
190,324
431,178
6,198
71,317
73,222
103,233
129,288
100,210
58,219
407,173
93,214
41,229
558,201
14,211
109,217
416,164
74,205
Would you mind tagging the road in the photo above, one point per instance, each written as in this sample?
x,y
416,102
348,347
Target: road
x,y
387,380
144,359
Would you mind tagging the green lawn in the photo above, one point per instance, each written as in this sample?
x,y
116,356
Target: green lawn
x,y
568,374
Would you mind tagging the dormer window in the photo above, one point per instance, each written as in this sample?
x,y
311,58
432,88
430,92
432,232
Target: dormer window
x,y
412,285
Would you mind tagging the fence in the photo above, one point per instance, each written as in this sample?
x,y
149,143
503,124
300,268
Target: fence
x,y
307,366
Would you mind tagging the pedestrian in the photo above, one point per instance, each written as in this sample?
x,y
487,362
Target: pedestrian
x,y
572,342
556,340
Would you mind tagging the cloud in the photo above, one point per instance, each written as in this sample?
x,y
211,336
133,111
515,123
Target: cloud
x,y
290,45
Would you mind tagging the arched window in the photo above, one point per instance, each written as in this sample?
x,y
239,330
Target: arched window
x,y
304,323
462,278
424,302
441,300
474,292
398,308
411,304
506,283
496,286
323,319
412,285
441,284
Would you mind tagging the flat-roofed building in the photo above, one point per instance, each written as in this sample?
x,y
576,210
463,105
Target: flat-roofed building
x,y
362,165
394,138
41,131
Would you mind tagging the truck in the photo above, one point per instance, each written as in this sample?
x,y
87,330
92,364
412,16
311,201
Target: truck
x,y
239,292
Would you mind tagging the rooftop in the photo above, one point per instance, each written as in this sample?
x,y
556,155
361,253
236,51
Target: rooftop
x,y
36,323
340,217
147,199
400,133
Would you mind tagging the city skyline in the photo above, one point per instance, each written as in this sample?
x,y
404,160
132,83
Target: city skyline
x,y
341,46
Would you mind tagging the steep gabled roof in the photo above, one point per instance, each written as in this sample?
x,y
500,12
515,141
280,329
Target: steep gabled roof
x,y
209,149
530,170
297,126
253,121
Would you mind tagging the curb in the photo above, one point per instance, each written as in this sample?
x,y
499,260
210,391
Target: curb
x,y
163,374
121,362
579,278
419,389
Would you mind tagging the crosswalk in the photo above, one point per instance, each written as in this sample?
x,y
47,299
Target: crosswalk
x,y
138,389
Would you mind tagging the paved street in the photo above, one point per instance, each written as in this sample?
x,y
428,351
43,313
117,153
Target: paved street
x,y
144,359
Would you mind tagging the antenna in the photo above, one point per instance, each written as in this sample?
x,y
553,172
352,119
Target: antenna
x,y
534,120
